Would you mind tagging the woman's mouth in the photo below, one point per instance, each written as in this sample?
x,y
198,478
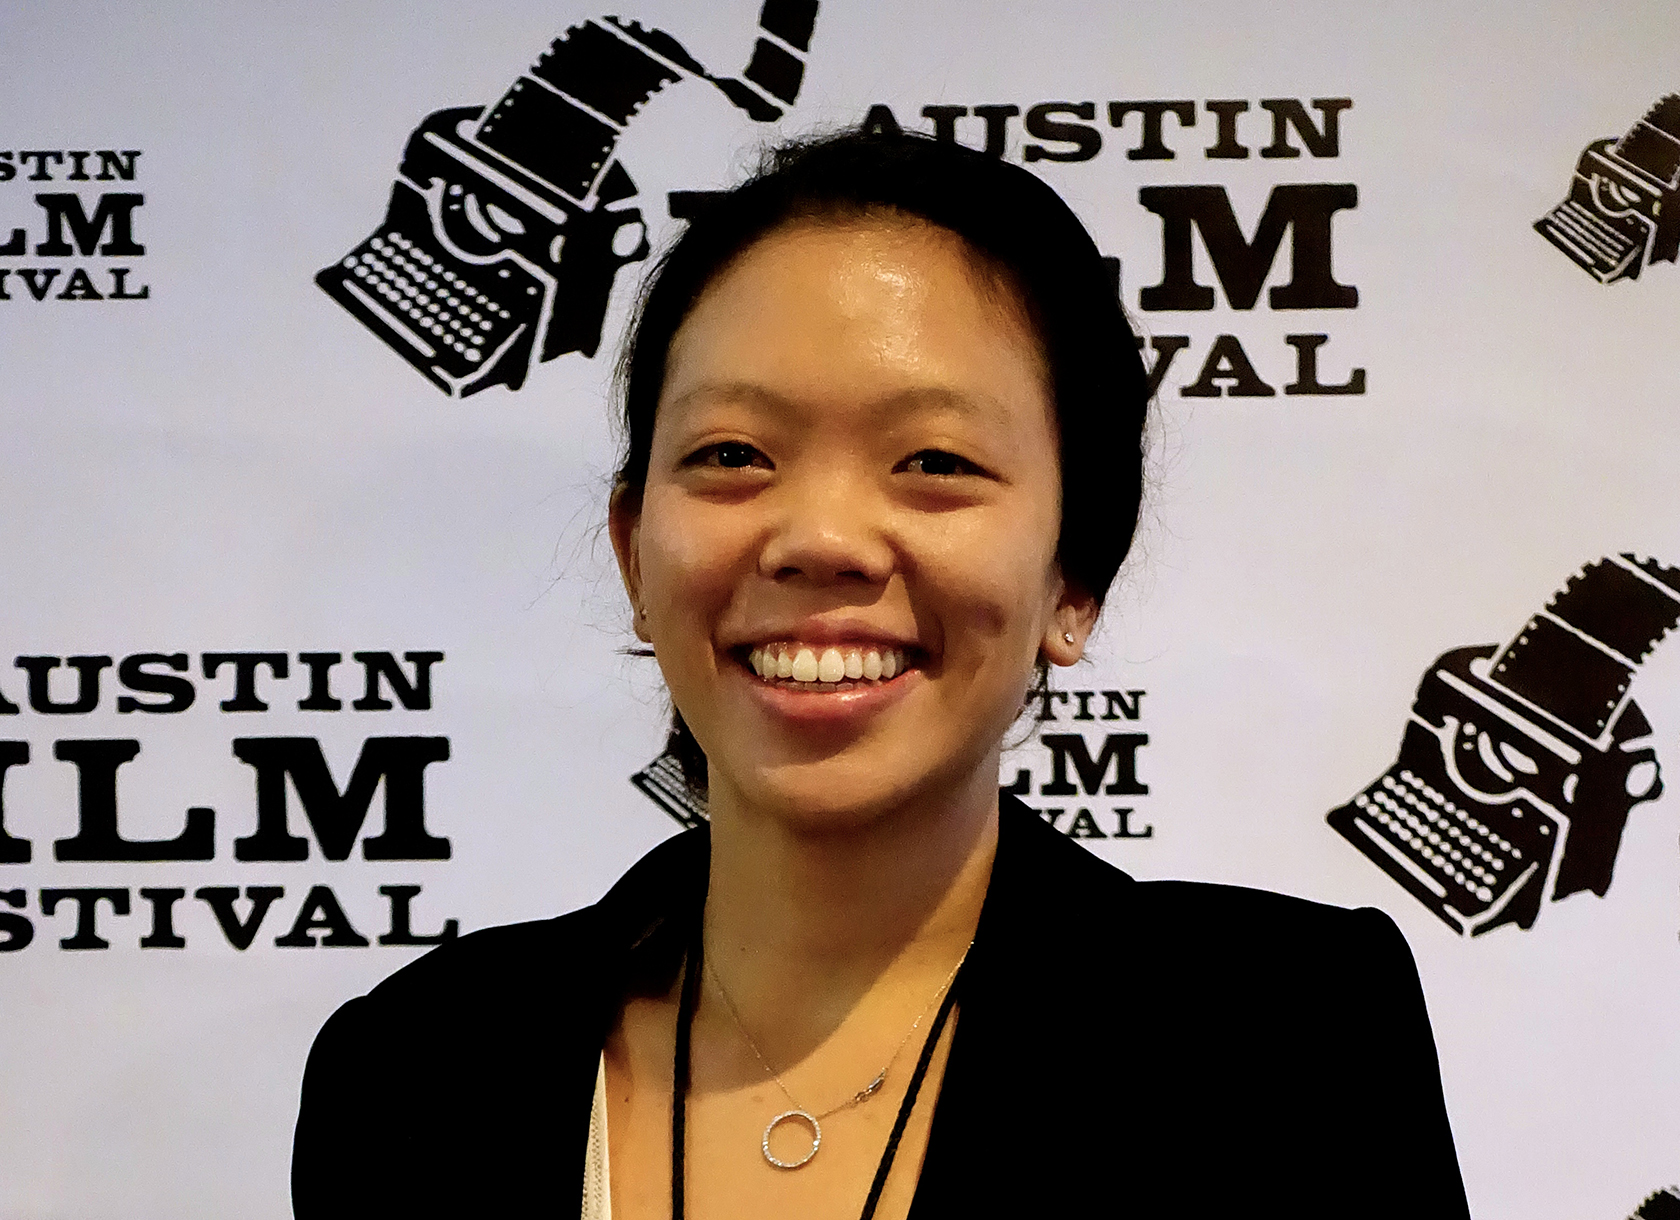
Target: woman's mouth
x,y
826,667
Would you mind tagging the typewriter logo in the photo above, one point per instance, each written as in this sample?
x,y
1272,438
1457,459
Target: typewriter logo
x,y
1623,209
508,224
662,782
1519,766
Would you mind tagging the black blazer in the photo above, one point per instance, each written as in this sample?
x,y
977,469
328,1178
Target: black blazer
x,y
1123,1048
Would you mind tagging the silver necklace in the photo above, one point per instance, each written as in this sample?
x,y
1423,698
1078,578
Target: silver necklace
x,y
798,1113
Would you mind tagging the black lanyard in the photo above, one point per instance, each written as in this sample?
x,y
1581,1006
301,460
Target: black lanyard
x,y
680,1080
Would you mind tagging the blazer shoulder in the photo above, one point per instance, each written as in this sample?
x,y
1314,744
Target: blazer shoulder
x,y
510,958
1233,940
1233,903
1056,879
491,957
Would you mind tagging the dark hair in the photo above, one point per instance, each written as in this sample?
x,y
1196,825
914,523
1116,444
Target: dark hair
x,y
1023,234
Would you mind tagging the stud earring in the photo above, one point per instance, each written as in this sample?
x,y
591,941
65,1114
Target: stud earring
x,y
1068,636
642,612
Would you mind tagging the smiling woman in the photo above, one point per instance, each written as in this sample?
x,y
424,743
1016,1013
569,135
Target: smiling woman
x,y
883,417
855,456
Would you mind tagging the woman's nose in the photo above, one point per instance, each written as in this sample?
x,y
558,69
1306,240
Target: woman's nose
x,y
829,528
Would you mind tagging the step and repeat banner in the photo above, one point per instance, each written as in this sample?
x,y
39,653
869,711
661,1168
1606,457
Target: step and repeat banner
x,y
313,650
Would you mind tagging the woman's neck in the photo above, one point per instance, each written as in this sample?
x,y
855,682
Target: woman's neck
x,y
803,925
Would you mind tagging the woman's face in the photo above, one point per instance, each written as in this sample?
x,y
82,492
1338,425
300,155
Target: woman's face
x,y
845,549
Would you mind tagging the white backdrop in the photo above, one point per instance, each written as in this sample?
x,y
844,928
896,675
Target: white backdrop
x,y
235,464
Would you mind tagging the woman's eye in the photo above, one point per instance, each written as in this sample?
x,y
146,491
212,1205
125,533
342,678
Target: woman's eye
x,y
938,462
734,454
730,455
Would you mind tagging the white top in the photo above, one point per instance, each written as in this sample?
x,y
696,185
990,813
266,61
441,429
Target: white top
x,y
597,1181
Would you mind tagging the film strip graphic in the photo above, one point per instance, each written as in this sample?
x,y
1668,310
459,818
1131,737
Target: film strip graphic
x,y
507,224
1519,766
1623,209
1660,1205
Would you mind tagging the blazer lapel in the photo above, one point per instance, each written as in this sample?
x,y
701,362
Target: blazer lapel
x,y
640,929
1001,1110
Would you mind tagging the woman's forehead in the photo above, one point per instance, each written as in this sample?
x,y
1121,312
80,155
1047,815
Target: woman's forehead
x,y
871,297
892,232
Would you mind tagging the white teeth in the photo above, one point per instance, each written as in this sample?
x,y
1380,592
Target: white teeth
x,y
828,666
831,666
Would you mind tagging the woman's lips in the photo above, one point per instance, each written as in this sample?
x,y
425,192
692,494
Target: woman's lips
x,y
885,675
825,666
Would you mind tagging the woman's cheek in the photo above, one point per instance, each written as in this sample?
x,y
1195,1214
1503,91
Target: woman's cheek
x,y
995,583
691,561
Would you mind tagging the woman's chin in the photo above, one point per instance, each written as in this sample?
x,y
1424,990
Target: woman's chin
x,y
834,795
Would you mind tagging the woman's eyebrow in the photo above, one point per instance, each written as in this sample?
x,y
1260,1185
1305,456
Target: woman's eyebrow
x,y
728,391
942,399
892,409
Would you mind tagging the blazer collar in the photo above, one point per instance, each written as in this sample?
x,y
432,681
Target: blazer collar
x,y
647,917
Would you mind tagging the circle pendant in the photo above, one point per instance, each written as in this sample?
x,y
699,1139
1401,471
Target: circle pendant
x,y
792,1116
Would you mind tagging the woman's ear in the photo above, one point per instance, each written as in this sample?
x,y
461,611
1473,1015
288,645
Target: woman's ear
x,y
1070,625
624,524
